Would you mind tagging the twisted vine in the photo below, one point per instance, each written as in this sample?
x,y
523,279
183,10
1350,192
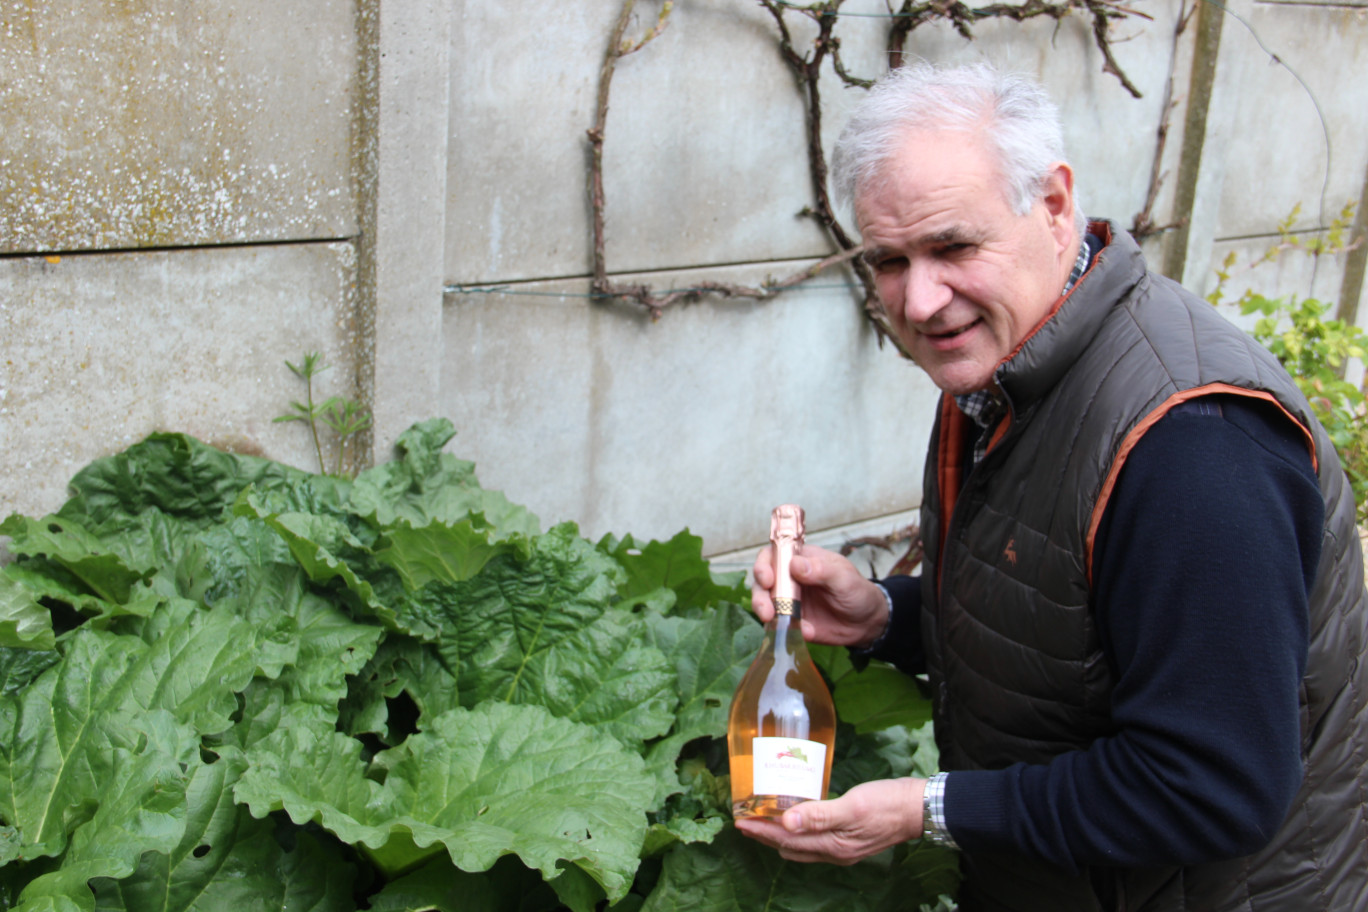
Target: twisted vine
x,y
807,66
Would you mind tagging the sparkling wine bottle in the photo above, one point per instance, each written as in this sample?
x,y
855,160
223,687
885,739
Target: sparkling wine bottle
x,y
782,729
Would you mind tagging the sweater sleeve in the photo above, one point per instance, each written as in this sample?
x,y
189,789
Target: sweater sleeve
x,y
1202,566
901,643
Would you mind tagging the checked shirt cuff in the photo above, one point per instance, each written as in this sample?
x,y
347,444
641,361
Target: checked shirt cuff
x,y
933,812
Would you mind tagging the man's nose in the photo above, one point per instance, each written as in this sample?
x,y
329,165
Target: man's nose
x,y
925,292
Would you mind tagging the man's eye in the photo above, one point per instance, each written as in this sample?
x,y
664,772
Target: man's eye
x,y
888,264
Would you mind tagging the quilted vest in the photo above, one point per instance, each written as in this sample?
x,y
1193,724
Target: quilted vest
x,y
1014,659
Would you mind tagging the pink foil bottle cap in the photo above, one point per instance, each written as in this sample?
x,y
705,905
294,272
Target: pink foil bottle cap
x,y
786,534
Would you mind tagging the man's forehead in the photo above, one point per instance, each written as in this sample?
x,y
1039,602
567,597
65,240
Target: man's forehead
x,y
925,164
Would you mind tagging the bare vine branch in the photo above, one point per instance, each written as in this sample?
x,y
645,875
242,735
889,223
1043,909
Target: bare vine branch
x,y
639,293
1142,226
807,67
909,535
655,303
661,21
913,15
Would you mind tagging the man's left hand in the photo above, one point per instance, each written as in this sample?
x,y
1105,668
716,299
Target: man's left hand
x,y
869,818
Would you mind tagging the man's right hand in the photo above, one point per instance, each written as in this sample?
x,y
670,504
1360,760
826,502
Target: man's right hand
x,y
840,606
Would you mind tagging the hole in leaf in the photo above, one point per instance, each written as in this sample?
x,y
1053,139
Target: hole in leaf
x,y
64,616
403,716
200,851
371,744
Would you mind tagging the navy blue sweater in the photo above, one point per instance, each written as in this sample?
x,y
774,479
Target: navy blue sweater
x,y
1202,565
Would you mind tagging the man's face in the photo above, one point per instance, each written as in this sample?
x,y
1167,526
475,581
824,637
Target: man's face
x,y
963,278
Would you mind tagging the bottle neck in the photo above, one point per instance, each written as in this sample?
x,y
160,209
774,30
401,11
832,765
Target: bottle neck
x,y
787,620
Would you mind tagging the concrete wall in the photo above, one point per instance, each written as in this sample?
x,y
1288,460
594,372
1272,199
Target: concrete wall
x,y
193,193
178,214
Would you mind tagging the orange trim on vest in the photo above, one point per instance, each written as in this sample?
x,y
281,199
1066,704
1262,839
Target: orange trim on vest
x,y
1133,438
949,460
1000,431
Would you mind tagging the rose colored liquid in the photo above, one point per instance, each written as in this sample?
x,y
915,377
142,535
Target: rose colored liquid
x,y
781,696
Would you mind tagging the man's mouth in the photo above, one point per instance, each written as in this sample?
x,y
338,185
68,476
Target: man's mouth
x,y
952,333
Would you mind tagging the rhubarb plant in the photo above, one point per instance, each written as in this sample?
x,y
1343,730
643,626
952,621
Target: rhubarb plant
x,y
226,683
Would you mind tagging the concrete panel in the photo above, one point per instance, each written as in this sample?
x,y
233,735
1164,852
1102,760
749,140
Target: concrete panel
x,y
168,123
1276,156
705,157
100,350
706,419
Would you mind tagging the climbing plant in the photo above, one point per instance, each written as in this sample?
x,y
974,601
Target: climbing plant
x,y
1315,347
808,62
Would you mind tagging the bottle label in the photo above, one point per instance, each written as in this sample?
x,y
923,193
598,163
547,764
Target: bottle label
x,y
788,766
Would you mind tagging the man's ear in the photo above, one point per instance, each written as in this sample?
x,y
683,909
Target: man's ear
x,y
1056,193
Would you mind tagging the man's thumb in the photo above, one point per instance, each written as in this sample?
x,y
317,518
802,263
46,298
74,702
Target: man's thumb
x,y
808,817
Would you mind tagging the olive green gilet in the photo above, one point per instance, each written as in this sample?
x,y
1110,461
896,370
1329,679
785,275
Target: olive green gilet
x,y
1006,581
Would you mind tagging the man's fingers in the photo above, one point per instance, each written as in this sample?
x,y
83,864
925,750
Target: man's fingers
x,y
800,568
769,832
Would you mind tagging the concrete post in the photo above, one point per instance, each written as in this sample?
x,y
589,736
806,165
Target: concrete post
x,y
405,75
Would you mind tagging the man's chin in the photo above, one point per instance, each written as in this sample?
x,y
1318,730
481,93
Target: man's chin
x,y
958,379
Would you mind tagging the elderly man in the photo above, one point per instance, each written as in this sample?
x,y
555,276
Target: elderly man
x,y
1142,610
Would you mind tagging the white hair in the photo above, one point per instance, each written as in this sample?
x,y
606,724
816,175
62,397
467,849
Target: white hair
x,y
1013,113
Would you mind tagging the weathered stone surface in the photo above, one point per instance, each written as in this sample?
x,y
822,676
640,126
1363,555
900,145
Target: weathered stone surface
x,y
100,350
1298,138
163,124
446,142
707,418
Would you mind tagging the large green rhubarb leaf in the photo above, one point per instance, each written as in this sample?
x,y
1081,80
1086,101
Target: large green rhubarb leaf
x,y
604,675
18,669
328,549
425,485
172,473
479,783
495,625
878,697
141,808
78,716
677,565
710,650
84,555
227,860
438,886
439,552
734,873
402,665
24,623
